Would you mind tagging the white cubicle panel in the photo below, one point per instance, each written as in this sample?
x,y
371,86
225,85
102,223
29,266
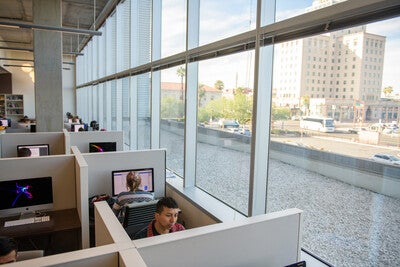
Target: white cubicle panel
x,y
82,139
131,258
101,165
265,240
61,168
10,141
108,229
82,196
105,256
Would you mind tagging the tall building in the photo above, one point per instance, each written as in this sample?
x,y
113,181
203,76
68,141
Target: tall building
x,y
336,70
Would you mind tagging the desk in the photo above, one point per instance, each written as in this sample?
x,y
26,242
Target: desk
x,y
61,234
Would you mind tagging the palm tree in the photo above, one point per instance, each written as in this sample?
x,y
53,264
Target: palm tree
x,y
388,90
181,72
219,85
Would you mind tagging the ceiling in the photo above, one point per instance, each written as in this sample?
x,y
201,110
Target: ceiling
x,y
77,14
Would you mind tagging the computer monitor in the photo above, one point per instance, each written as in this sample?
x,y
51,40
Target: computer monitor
x,y
27,195
35,150
4,122
119,180
102,147
76,127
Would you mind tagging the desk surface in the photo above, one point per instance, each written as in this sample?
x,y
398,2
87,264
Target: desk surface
x,y
60,220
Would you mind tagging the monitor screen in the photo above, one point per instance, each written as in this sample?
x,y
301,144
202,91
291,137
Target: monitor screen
x,y
33,150
119,180
76,127
4,122
102,147
25,195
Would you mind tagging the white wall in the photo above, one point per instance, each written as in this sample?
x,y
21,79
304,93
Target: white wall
x,y
23,84
68,81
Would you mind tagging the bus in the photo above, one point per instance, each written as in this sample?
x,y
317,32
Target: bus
x,y
321,124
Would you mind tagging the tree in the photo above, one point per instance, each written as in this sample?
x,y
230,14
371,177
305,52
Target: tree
x,y
201,93
171,108
388,90
181,72
280,113
241,108
219,85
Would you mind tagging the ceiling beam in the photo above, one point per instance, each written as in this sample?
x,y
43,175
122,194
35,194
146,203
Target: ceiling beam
x,y
24,25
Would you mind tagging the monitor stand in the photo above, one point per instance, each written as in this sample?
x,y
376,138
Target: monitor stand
x,y
26,215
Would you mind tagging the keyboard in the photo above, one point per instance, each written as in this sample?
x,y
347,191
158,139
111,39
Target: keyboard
x,y
27,221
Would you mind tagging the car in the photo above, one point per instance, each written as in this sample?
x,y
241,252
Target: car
x,y
228,123
245,131
386,158
355,130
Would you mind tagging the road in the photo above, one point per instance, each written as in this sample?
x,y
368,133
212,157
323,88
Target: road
x,y
340,141
338,145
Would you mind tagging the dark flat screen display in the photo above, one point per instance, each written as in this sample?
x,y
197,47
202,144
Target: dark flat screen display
x,y
102,147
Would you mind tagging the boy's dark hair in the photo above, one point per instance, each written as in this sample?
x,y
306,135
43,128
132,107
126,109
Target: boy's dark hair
x,y
7,244
168,202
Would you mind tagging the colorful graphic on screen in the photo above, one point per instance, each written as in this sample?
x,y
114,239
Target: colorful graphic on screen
x,y
102,147
98,148
22,190
26,192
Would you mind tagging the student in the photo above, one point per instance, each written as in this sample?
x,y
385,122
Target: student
x,y
164,222
8,250
134,194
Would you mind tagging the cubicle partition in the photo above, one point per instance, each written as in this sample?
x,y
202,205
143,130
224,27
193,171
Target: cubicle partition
x,y
81,176
82,139
272,239
61,168
64,224
100,166
10,141
105,256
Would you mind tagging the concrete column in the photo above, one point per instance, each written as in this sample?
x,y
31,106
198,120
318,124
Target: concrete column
x,y
48,66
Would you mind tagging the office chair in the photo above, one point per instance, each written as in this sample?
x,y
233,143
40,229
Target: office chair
x,y
138,215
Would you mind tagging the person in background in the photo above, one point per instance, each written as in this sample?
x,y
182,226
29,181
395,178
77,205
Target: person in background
x,y
165,220
8,250
24,152
134,193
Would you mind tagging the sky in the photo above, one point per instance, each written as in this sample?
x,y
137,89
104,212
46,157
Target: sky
x,y
219,20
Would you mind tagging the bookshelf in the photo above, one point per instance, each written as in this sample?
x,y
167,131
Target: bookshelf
x,y
12,106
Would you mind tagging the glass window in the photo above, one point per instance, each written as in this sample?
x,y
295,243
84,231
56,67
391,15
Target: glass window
x,y
224,128
288,9
222,19
343,215
173,27
143,111
172,124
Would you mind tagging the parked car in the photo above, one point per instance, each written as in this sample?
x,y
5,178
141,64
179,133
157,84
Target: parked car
x,y
386,158
355,130
228,123
245,131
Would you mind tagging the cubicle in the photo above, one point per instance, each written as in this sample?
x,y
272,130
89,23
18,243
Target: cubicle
x,y
82,139
265,240
272,239
10,141
59,142
64,218
93,177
